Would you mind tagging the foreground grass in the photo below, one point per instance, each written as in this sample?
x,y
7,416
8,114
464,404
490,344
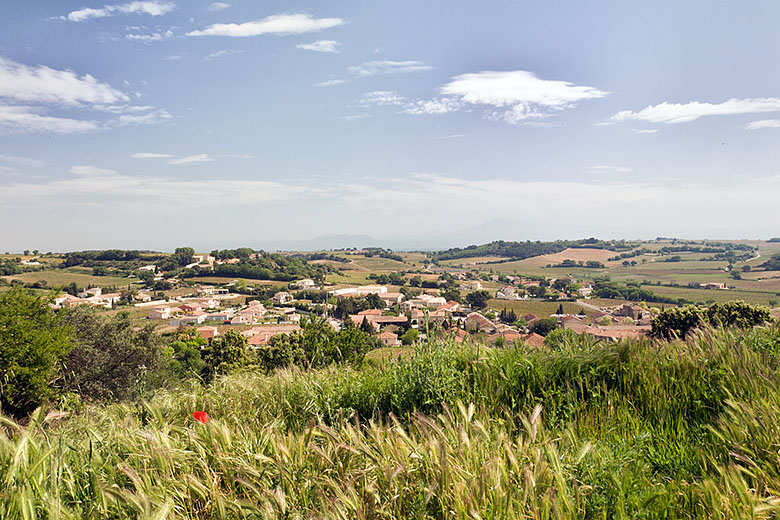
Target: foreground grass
x,y
635,430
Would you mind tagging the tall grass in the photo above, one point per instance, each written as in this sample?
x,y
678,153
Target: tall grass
x,y
639,429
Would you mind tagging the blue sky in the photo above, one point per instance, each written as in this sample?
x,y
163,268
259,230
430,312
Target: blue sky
x,y
152,124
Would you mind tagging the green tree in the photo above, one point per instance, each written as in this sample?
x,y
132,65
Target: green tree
x,y
410,337
226,353
544,326
33,340
452,294
111,356
478,299
375,302
679,321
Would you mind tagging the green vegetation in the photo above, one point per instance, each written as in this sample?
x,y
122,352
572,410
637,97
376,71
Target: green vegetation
x,y
32,342
521,250
265,266
678,322
635,430
773,264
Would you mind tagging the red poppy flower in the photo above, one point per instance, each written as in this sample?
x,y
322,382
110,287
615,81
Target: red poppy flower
x,y
202,417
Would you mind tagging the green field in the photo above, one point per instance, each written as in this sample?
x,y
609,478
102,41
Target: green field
x,y
62,277
718,295
540,309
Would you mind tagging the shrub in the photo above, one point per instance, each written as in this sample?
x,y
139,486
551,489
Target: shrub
x,y
32,342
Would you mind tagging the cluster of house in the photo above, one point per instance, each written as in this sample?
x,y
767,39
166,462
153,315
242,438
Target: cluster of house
x,y
429,307
476,322
93,297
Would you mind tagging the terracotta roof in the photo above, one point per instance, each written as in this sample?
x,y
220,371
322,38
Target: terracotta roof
x,y
533,339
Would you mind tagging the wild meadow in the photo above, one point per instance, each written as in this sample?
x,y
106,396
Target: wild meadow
x,y
638,429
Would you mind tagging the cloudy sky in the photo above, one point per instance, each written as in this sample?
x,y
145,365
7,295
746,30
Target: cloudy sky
x,y
152,124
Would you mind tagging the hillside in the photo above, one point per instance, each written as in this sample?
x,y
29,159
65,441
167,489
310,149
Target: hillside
x,y
636,429
528,249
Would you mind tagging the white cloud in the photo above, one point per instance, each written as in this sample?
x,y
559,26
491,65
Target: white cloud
x,y
26,119
46,85
190,159
330,83
383,205
91,171
353,117
672,113
321,46
604,169
764,123
222,53
381,98
516,95
278,24
154,37
218,6
152,118
433,106
153,8
374,68
149,155
26,162
644,131
452,136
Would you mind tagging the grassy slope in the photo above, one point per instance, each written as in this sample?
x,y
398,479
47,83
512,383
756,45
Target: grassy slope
x,y
636,430
82,277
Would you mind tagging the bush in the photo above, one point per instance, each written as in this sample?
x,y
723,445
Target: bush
x,y
112,359
33,340
679,321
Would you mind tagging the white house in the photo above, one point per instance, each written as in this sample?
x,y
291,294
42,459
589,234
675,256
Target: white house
x,y
160,313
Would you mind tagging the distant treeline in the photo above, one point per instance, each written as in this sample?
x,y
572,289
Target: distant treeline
x,y
265,266
109,257
382,253
716,247
773,264
528,249
321,256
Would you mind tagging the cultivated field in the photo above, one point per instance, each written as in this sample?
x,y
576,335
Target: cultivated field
x,y
62,277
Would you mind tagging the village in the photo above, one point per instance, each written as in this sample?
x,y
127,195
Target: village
x,y
394,316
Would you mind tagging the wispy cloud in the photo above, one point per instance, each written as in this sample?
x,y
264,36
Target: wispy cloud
x,y
278,24
644,131
604,169
433,106
151,118
153,8
27,119
419,201
190,159
374,68
28,95
381,98
25,162
223,53
672,113
321,46
764,123
452,136
218,6
330,83
146,38
151,155
42,84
